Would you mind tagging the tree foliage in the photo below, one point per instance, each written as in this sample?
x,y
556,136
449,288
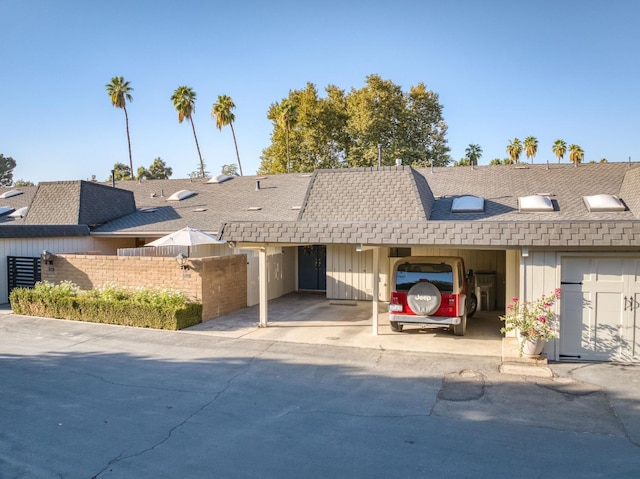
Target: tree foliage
x,y
559,149
576,154
222,113
7,164
158,170
229,170
473,153
514,150
184,101
119,94
120,172
344,129
22,182
530,147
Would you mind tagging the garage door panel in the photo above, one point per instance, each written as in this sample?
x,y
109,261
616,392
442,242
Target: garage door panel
x,y
604,334
609,270
577,313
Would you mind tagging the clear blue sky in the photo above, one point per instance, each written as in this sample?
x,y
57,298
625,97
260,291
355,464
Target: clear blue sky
x,y
503,69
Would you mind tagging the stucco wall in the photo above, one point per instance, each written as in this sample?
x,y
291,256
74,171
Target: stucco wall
x,y
218,282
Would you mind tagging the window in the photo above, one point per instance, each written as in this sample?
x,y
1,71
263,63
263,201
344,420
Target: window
x,y
467,204
408,274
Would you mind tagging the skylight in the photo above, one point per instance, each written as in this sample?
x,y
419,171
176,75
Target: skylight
x,y
219,179
467,204
20,212
181,195
9,194
535,203
5,210
603,203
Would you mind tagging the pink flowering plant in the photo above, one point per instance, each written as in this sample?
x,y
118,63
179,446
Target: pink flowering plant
x,y
532,319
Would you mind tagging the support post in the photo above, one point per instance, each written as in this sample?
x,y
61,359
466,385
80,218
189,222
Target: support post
x,y
376,283
264,280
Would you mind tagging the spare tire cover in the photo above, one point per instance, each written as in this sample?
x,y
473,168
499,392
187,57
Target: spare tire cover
x,y
424,298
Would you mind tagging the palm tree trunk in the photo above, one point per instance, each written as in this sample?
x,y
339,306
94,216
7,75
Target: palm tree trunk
x,y
126,118
198,148
236,144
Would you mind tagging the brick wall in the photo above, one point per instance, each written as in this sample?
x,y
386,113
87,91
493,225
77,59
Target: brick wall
x,y
219,282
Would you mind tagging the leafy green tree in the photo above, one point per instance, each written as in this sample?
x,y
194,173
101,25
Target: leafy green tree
x,y
21,182
426,143
119,93
308,132
345,129
222,112
230,170
473,153
157,171
120,172
184,101
576,155
462,162
496,161
559,149
7,164
530,147
287,118
514,149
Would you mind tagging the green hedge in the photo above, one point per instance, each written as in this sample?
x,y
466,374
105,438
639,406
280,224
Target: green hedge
x,y
145,308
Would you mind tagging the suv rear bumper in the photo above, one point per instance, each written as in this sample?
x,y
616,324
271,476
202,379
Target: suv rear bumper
x,y
415,319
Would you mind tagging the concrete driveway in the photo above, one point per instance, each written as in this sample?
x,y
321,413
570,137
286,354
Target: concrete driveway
x,y
312,319
82,400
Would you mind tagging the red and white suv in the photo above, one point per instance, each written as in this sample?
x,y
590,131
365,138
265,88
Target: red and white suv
x,y
430,290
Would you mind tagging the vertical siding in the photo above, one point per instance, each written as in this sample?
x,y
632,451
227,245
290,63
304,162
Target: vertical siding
x,y
33,247
349,273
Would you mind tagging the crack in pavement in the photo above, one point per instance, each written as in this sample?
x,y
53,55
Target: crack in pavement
x,y
216,396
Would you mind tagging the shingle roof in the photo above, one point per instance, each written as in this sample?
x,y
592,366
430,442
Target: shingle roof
x,y
77,203
279,198
367,194
42,231
368,209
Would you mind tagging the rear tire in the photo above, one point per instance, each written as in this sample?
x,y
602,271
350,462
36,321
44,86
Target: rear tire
x,y
472,304
395,327
460,329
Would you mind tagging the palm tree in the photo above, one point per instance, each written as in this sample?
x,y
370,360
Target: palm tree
x,y
531,147
576,154
184,101
559,148
118,90
221,112
514,149
287,117
473,153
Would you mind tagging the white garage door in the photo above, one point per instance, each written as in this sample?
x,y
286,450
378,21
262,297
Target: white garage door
x,y
599,309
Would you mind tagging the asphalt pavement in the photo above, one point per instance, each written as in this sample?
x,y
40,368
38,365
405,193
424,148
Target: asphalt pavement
x,y
81,400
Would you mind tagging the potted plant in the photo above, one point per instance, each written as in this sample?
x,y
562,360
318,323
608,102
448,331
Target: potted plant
x,y
532,322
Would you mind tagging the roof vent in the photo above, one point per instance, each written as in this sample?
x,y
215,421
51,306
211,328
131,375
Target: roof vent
x,y
9,194
254,208
535,203
181,195
257,185
20,212
219,179
603,203
467,204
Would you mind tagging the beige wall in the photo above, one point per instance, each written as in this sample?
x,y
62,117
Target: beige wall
x,y
219,282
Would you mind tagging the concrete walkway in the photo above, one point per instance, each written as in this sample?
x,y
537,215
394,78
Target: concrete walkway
x,y
312,319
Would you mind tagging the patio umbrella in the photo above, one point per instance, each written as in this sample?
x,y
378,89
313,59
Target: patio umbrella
x,y
186,237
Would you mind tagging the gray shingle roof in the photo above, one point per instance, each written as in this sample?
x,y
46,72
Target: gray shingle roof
x,y
77,203
279,198
368,194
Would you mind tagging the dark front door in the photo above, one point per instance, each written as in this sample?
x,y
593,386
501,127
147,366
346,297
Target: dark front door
x,y
312,268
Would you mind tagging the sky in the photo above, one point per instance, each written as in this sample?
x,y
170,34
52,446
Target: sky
x,y
567,69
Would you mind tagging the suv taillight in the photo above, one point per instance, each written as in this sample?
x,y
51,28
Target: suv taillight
x,y
396,305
